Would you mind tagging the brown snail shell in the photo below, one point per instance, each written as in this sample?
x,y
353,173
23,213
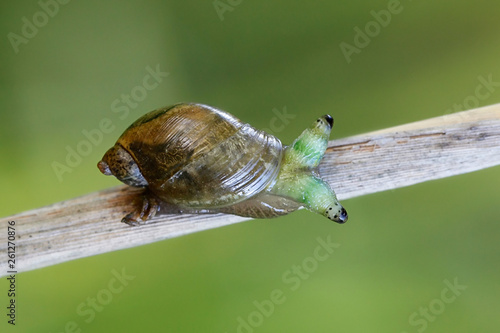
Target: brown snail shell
x,y
197,156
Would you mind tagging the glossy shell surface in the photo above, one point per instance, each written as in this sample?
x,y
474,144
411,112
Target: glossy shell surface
x,y
197,156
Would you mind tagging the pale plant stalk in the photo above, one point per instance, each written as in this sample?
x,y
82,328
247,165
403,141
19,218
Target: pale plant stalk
x,y
387,159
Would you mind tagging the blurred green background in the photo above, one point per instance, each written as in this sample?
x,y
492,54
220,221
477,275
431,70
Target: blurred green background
x,y
398,247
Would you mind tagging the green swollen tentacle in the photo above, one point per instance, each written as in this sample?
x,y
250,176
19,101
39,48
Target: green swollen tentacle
x,y
309,148
298,179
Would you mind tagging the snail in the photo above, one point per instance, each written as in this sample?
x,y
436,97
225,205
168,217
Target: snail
x,y
202,160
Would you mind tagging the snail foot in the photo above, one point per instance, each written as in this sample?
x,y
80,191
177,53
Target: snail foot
x,y
150,206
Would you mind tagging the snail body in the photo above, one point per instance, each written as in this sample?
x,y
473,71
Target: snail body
x,y
200,159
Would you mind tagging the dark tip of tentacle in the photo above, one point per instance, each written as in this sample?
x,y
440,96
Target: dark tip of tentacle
x,y
329,119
